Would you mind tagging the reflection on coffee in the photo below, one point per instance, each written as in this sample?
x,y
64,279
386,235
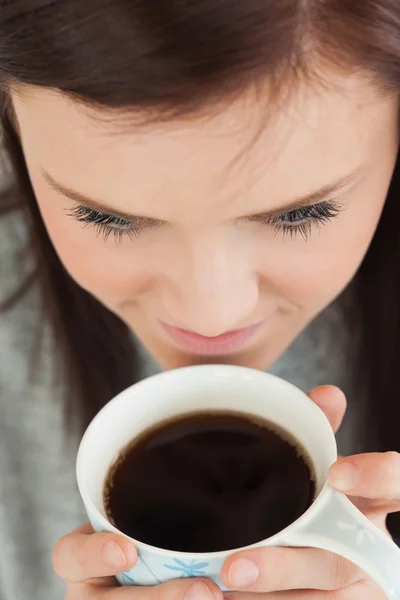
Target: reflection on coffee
x,y
209,482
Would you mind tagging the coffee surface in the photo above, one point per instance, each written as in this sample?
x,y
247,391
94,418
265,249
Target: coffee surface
x,y
209,482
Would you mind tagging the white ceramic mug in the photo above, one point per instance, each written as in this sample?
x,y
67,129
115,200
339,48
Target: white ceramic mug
x,y
331,523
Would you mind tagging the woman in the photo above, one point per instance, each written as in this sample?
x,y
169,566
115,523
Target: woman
x,y
219,178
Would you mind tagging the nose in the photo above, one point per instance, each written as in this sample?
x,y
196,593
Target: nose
x,y
213,290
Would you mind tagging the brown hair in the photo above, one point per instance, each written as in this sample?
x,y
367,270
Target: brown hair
x,y
172,59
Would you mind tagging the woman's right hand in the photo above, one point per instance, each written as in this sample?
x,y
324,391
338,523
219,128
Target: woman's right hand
x,y
88,561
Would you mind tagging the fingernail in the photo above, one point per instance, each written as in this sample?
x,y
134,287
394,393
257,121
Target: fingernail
x,y
243,573
344,476
113,555
199,591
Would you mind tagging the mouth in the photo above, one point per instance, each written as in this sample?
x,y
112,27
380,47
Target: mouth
x,y
227,343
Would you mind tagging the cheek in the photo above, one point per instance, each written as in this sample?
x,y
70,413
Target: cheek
x,y
310,274
110,272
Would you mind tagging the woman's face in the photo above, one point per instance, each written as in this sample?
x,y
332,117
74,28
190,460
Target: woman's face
x,y
213,243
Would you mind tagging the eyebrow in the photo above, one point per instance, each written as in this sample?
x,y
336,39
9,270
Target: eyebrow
x,y
316,197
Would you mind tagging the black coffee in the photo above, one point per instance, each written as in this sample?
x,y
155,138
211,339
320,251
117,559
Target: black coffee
x,y
209,482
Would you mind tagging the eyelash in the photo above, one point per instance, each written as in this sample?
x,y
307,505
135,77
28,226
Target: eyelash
x,y
300,221
107,225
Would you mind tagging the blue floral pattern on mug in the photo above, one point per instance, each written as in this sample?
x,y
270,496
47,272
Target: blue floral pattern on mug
x,y
190,569
126,579
362,532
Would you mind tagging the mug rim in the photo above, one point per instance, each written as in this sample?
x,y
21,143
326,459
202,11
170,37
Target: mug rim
x,y
120,398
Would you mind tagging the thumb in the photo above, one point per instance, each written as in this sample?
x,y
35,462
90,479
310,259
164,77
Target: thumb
x,y
332,401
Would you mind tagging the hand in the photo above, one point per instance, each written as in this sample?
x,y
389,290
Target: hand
x,y
373,483
88,561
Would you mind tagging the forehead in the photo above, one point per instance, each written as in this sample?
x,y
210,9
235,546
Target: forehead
x,y
248,149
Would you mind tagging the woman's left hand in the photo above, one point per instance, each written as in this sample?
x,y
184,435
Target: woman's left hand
x,y
372,481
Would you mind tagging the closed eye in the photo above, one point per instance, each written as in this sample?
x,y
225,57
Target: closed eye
x,y
107,224
301,220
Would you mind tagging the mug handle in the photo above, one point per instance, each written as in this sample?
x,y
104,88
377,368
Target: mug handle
x,y
334,524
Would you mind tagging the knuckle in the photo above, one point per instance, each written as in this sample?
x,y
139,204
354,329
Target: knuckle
x,y
85,556
276,577
270,572
344,574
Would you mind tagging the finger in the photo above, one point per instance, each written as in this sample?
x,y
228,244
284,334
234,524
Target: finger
x,y
83,555
280,569
332,401
362,590
179,589
371,476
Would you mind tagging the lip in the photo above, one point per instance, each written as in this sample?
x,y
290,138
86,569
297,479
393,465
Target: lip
x,y
227,343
